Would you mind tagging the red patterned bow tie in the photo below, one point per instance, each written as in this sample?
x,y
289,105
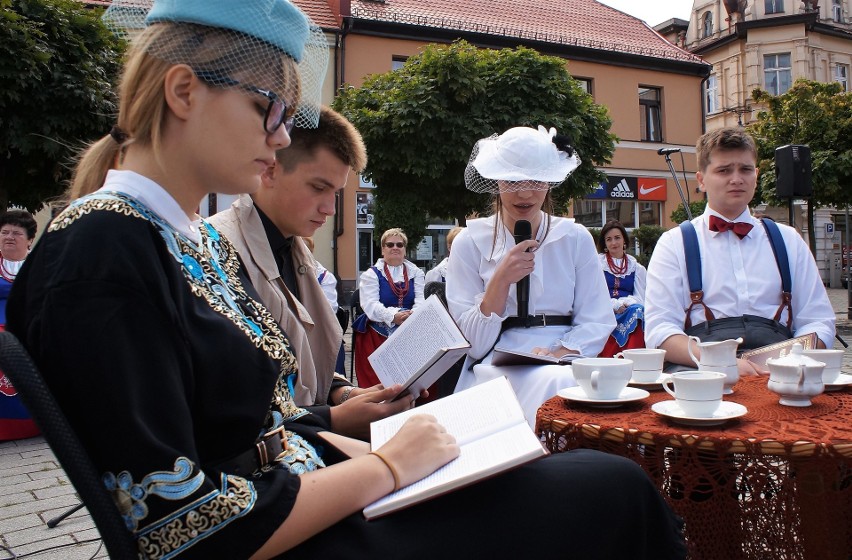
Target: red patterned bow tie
x,y
740,228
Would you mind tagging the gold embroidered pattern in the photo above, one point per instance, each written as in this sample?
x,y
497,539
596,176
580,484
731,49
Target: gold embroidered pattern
x,y
76,211
200,519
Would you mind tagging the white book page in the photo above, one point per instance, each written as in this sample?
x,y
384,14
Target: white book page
x,y
478,459
427,332
468,415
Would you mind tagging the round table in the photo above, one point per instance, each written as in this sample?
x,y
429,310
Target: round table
x,y
774,483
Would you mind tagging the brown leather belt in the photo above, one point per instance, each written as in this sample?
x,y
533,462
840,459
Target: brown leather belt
x,y
268,447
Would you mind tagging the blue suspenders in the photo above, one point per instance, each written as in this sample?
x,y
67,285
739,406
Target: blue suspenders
x,y
693,269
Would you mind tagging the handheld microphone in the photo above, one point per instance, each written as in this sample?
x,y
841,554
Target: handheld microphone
x,y
523,232
666,151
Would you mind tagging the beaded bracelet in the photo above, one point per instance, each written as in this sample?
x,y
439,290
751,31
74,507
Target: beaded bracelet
x,y
390,468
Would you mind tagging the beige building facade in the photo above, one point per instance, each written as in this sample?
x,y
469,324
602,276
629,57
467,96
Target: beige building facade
x,y
652,89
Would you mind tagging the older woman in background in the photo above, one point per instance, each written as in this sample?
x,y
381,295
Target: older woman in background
x,y
625,280
17,233
389,292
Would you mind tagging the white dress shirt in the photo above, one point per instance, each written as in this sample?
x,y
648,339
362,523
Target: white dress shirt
x,y
438,272
739,276
328,283
368,290
567,278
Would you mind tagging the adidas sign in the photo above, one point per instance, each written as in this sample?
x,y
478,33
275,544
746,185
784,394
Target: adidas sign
x,y
621,190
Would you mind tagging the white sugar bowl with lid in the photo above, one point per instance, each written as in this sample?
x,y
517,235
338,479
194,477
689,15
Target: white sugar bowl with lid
x,y
795,377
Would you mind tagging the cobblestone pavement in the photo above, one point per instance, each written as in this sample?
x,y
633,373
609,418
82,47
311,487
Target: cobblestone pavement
x,y
34,488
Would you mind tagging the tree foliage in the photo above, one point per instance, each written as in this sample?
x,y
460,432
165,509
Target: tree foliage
x,y
420,123
57,66
696,207
818,115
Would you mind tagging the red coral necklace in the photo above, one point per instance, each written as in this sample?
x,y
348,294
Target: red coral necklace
x,y
614,268
399,292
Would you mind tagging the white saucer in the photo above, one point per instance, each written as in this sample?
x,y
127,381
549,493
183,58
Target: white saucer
x,y
655,384
843,380
628,394
726,411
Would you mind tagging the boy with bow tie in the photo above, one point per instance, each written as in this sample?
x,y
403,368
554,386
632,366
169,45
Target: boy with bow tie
x,y
740,276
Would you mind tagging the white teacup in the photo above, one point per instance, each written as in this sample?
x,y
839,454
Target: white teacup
x,y
833,360
698,393
602,378
647,363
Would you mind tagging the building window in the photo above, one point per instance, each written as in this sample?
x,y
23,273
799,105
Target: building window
x,y
585,84
774,6
595,213
650,114
837,11
777,73
841,74
711,94
707,25
397,62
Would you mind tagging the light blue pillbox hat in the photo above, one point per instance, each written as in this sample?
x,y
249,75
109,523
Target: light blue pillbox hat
x,y
277,22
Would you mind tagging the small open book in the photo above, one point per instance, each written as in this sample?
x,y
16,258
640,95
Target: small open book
x,y
421,350
489,426
509,357
779,349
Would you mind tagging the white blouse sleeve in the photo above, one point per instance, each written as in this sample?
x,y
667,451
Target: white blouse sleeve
x,y
593,318
419,283
465,290
369,296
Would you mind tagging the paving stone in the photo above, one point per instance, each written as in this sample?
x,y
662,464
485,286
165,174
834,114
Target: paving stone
x,y
21,522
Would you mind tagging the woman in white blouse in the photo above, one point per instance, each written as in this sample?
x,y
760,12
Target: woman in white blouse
x,y
389,292
569,310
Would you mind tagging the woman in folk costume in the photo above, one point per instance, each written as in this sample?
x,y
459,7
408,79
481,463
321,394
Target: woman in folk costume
x,y
569,310
17,233
178,381
625,280
389,291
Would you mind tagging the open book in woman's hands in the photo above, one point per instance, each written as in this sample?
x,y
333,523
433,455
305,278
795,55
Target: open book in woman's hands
x,y
510,357
490,429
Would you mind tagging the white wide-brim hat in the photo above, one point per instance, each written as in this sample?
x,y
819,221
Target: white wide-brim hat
x,y
527,157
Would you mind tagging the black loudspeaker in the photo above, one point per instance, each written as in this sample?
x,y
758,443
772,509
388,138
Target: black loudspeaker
x,y
793,171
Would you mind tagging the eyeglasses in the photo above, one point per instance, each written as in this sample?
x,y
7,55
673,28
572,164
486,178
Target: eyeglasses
x,y
11,233
398,244
276,111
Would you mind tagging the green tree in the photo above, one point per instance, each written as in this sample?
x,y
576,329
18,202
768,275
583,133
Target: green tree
x,y
420,123
820,116
57,66
696,207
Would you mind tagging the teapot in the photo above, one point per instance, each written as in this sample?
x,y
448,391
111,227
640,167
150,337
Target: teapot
x,y
795,377
718,356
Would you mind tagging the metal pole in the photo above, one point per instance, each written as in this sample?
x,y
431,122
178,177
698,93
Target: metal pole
x,y
848,250
679,189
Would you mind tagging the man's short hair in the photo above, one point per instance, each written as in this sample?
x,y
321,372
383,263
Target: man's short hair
x,y
334,132
732,138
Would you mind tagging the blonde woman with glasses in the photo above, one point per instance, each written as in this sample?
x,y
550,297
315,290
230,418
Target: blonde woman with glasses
x,y
179,382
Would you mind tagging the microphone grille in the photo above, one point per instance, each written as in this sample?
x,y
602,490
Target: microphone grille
x,y
523,229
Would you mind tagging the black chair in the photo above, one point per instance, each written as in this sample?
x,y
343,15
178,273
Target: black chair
x,y
438,288
354,311
63,440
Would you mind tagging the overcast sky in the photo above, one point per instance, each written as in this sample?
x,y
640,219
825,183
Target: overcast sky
x,y
653,11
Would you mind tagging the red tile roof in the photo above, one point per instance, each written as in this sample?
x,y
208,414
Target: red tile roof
x,y
582,23
319,11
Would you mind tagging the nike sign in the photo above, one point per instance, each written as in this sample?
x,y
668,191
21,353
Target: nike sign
x,y
643,190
